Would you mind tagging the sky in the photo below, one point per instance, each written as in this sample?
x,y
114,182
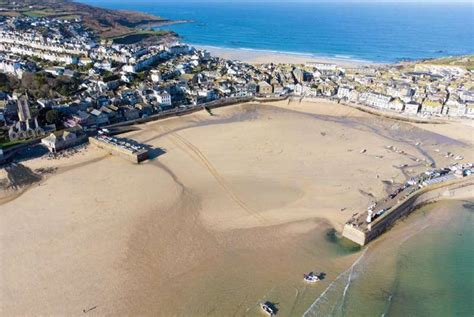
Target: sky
x,y
347,1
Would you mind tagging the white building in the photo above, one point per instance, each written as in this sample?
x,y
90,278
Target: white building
x,y
62,140
46,55
343,92
458,110
180,49
144,62
412,108
163,98
354,96
454,108
37,43
430,107
470,110
155,76
322,66
404,91
467,96
375,100
13,67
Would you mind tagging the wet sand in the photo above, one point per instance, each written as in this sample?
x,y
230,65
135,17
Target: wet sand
x,y
234,211
262,57
421,267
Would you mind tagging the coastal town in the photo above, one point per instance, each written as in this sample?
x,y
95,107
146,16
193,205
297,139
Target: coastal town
x,y
59,77
144,175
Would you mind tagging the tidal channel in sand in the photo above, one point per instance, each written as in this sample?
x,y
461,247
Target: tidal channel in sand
x,y
235,210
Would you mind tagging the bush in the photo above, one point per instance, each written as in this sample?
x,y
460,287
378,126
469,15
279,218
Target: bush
x,y
43,85
53,116
8,83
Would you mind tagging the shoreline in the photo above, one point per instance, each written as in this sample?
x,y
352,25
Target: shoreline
x,y
378,287
261,56
458,189
227,211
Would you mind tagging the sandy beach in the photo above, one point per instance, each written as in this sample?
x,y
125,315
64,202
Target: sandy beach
x,y
262,57
236,208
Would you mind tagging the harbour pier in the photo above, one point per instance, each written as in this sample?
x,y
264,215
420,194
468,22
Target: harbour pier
x,y
428,187
128,149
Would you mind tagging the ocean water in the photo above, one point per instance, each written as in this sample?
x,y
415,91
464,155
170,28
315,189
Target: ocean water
x,y
435,270
425,271
381,32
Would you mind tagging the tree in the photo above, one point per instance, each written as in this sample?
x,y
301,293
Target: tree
x,y
8,83
53,116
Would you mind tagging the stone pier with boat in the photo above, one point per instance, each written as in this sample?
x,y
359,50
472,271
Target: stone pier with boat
x,y
450,183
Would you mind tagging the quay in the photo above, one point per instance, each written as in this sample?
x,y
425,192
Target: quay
x,y
447,183
189,109
125,148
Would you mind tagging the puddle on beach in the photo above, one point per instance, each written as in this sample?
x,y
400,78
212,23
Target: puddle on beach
x,y
341,245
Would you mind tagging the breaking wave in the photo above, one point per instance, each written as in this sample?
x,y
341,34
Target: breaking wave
x,y
331,302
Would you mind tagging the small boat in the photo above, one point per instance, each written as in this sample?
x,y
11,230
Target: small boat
x,y
267,309
311,277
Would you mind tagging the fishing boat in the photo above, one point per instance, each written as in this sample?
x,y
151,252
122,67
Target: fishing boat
x,y
311,277
267,309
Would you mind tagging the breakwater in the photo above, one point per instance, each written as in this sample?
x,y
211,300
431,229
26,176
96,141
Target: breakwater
x,y
125,148
453,189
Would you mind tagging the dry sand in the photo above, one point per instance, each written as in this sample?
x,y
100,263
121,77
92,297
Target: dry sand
x,y
234,212
262,57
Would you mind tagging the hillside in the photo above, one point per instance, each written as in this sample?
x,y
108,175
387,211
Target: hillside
x,y
104,22
466,61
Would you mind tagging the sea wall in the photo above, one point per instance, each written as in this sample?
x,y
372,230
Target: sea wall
x,y
379,112
456,189
270,98
9,153
176,112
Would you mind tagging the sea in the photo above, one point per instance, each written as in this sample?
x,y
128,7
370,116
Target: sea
x,y
424,267
378,32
